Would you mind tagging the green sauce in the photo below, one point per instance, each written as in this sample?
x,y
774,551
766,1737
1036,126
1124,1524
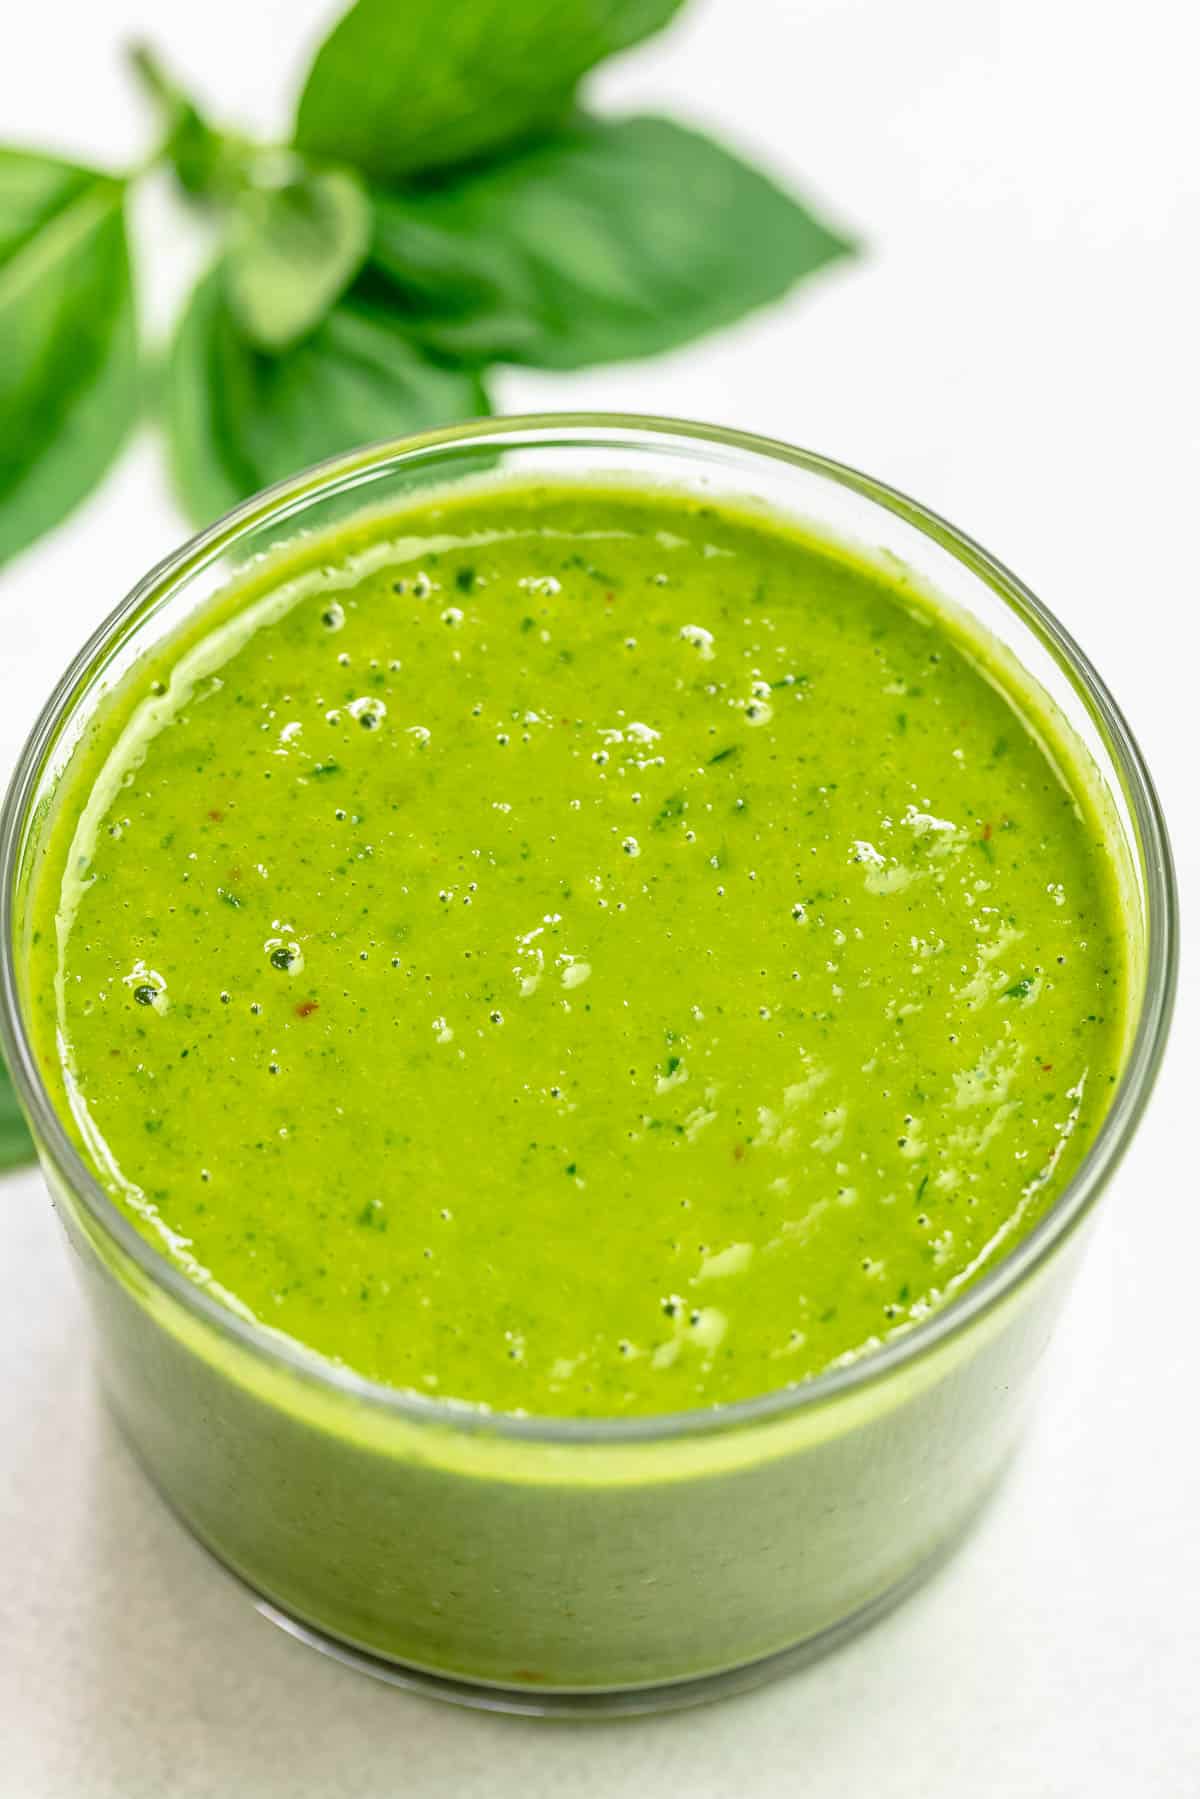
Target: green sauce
x,y
579,951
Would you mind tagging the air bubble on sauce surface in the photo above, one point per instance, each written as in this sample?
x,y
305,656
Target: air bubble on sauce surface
x,y
368,710
701,640
148,987
285,954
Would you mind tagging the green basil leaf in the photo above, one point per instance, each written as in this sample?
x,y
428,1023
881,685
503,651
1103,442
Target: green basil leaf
x,y
607,241
293,251
198,154
398,89
239,419
476,290
68,344
16,1145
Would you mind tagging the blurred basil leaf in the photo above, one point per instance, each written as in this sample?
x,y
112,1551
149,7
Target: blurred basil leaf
x,y
198,154
293,251
68,346
607,241
239,419
16,1145
400,89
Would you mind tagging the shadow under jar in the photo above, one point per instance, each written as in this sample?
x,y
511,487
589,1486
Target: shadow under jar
x,y
581,1564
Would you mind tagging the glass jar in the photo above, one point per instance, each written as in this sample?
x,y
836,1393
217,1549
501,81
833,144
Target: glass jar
x,y
551,1564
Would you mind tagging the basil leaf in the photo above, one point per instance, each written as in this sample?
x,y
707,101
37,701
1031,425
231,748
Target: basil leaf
x,y
477,292
198,154
239,420
68,347
293,251
401,89
610,240
16,1145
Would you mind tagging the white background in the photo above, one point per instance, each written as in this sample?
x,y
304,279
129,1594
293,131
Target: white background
x,y
1018,348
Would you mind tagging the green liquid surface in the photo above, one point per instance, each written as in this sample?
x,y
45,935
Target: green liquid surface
x,y
579,952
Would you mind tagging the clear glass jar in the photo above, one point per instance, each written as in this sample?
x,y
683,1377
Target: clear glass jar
x,y
559,1565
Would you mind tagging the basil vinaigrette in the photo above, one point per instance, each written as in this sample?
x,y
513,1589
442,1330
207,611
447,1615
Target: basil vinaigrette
x,y
579,951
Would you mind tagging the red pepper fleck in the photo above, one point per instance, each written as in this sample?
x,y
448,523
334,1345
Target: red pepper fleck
x,y
987,831
1047,1068
739,1150
306,1008
216,814
609,598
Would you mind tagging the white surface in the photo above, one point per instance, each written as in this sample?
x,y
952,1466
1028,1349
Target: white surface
x,y
1017,348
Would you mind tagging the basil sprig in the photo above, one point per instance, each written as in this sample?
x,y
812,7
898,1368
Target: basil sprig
x,y
444,205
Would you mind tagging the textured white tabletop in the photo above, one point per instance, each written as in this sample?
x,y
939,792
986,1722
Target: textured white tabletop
x,y
1018,349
